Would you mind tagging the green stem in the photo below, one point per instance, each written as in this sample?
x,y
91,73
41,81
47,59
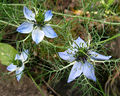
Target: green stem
x,y
93,86
13,4
4,22
86,18
51,44
111,38
101,88
55,26
36,84
25,38
65,67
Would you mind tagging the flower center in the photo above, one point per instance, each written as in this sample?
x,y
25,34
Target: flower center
x,y
18,63
40,19
81,54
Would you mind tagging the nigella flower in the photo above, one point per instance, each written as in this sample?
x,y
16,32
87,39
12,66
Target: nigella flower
x,y
81,55
37,25
18,65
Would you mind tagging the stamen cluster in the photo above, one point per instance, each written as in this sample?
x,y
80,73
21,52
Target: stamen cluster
x,y
81,54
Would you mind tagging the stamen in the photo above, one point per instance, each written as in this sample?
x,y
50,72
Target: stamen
x,y
81,55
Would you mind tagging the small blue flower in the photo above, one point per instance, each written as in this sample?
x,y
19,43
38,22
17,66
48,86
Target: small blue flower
x,y
19,68
80,54
32,25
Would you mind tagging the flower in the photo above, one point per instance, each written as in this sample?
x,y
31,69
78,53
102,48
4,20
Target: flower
x,y
19,67
37,25
80,54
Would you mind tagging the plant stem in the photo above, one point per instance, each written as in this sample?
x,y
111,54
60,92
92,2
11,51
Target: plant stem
x,y
36,84
65,67
25,38
4,22
13,4
86,18
101,88
113,37
51,44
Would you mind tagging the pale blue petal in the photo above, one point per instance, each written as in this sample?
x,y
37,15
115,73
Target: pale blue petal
x,y
28,14
97,56
37,35
48,15
49,32
76,71
19,76
25,27
88,71
17,57
24,55
19,72
66,56
79,43
11,67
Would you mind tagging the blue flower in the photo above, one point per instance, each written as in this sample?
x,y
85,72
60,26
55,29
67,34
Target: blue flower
x,y
19,68
37,25
81,54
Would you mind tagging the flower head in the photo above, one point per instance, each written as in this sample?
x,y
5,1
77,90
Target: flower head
x,y
18,64
80,53
37,25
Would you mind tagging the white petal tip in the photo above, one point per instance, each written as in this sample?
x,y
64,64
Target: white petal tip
x,y
25,27
11,67
55,36
18,76
28,14
97,56
109,57
49,32
19,30
37,35
94,79
62,55
37,42
18,79
69,81
48,15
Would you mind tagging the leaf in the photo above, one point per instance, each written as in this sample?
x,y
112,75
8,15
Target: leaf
x,y
7,54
